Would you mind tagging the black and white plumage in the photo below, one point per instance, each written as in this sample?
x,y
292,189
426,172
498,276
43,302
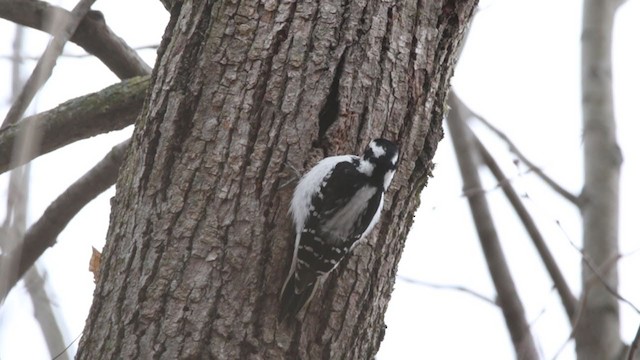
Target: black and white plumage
x,y
335,205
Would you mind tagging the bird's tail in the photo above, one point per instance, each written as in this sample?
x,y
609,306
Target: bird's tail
x,y
292,300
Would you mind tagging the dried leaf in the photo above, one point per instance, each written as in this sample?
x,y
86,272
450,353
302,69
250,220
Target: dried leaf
x,y
94,264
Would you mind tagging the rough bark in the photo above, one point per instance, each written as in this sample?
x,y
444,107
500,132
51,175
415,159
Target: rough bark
x,y
200,240
598,329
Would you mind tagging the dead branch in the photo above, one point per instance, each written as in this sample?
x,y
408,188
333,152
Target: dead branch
x,y
43,233
110,109
62,31
508,297
92,34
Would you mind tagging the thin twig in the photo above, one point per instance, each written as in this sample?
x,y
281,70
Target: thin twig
x,y
513,148
44,68
498,185
67,348
596,272
43,233
92,34
112,108
568,299
448,287
73,56
604,282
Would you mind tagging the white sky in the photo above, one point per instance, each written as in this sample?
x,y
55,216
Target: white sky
x,y
520,69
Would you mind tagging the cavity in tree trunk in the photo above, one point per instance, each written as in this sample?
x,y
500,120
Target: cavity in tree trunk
x,y
200,240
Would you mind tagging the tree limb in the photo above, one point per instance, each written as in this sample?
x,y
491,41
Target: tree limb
x,y
112,108
92,34
568,299
43,70
513,148
511,306
43,233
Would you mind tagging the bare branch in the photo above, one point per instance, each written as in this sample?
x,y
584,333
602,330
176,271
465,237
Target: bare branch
x,y
512,309
44,68
634,346
110,109
513,148
43,233
43,311
568,299
92,34
449,287
34,282
16,55
611,263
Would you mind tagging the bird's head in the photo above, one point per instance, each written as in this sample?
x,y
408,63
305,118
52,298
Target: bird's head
x,y
383,155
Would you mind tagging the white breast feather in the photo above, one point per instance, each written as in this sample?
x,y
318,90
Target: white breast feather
x,y
309,186
387,179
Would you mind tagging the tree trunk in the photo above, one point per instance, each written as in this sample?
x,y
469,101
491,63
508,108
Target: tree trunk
x,y
598,328
200,240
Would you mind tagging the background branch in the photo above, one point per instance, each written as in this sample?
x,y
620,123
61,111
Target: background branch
x,y
110,109
43,70
568,299
92,34
598,332
449,287
464,109
43,312
15,225
634,346
43,233
508,297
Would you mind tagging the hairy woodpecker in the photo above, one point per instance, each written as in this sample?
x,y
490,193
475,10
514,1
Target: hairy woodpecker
x,y
334,206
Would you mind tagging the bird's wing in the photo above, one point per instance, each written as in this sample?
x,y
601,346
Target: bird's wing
x,y
341,212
